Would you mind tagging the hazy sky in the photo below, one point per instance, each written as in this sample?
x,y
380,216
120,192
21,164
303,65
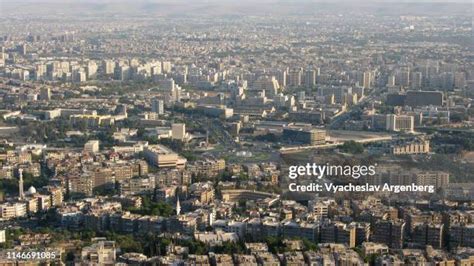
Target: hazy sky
x,y
228,1
219,7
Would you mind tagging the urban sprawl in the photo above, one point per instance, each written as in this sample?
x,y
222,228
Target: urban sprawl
x,y
170,134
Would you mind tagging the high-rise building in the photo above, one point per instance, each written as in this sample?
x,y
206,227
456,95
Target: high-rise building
x,y
305,136
422,98
156,68
281,77
301,96
428,234
416,80
103,177
346,234
175,94
22,49
133,186
389,232
310,78
268,84
391,81
459,79
91,69
338,233
167,85
362,232
56,194
108,67
10,210
40,72
461,235
359,91
235,128
178,131
80,184
367,80
122,72
133,62
45,94
435,235
2,236
405,123
403,78
433,178
79,76
294,77
2,53
166,66
446,80
157,106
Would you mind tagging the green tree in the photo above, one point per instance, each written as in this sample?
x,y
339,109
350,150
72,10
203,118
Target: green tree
x,y
352,147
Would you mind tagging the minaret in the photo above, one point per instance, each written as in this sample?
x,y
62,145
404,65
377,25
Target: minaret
x,y
20,184
178,207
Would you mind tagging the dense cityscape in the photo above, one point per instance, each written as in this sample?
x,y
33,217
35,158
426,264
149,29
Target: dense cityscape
x,y
236,133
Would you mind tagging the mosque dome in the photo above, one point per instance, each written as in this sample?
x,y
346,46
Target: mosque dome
x,y
32,190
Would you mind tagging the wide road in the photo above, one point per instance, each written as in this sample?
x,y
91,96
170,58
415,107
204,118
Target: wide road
x,y
338,121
